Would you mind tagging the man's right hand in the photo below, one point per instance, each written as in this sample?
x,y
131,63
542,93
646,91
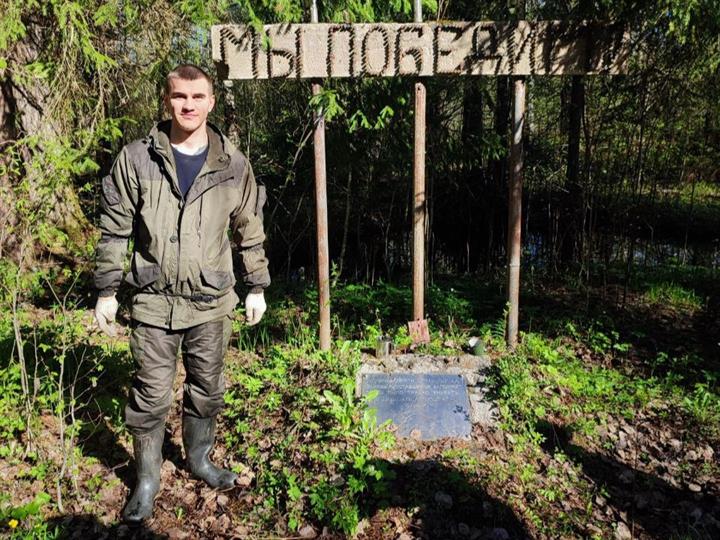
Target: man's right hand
x,y
254,308
105,311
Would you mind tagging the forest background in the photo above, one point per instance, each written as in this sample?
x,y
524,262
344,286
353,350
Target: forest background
x,y
620,260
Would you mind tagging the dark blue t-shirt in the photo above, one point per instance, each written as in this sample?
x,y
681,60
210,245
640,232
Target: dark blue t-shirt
x,y
187,168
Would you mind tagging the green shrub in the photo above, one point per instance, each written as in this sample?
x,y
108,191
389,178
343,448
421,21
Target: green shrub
x,y
295,418
674,296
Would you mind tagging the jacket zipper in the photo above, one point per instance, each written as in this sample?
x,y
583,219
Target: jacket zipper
x,y
180,217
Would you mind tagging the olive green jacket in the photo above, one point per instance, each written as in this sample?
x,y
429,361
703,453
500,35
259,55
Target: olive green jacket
x,y
182,264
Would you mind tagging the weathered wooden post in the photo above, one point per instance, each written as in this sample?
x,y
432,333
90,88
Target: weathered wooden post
x,y
515,182
419,206
321,213
515,211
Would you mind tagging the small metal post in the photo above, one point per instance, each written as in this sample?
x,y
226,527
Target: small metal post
x,y
419,207
321,215
515,210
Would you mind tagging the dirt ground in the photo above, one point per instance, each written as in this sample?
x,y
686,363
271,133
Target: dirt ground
x,y
648,479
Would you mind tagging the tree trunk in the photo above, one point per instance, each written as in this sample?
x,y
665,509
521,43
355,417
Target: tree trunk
x,y
499,171
8,135
473,177
346,226
48,203
574,202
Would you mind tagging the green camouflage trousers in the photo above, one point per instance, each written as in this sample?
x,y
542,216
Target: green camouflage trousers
x,y
155,352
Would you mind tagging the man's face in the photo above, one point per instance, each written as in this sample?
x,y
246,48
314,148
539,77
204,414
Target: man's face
x,y
189,103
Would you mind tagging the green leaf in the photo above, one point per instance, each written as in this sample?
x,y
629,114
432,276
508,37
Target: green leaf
x,y
327,103
39,70
107,14
430,6
32,508
294,493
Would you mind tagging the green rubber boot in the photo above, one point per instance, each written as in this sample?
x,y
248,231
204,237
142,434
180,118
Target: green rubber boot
x,y
198,440
148,460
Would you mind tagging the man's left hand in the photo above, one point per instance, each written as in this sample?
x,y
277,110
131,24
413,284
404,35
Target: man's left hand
x,y
254,308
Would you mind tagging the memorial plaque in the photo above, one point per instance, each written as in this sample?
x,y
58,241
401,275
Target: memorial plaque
x,y
301,51
424,405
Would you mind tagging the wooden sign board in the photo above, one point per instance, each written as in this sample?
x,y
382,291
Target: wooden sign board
x,y
302,51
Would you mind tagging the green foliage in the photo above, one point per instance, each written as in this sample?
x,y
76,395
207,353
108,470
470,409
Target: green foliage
x,y
202,13
359,120
544,379
700,191
27,510
55,163
521,401
703,405
695,23
401,338
12,397
286,322
13,281
13,28
296,419
494,333
673,296
327,104
535,380
598,339
358,305
11,406
61,374
448,304
25,522
76,32
366,313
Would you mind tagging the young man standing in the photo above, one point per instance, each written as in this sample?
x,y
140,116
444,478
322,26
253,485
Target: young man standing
x,y
177,194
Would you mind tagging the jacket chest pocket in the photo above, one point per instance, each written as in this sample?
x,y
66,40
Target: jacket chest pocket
x,y
215,249
155,191
220,200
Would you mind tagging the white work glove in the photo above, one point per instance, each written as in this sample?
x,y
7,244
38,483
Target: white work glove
x,y
254,308
105,311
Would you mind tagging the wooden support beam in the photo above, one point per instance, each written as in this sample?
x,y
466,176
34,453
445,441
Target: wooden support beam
x,y
515,211
321,215
419,206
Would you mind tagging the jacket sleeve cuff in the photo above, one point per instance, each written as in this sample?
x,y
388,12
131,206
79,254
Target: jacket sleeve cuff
x,y
104,293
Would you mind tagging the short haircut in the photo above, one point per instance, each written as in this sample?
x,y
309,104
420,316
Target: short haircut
x,y
187,72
